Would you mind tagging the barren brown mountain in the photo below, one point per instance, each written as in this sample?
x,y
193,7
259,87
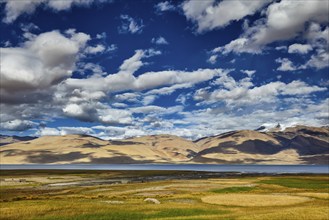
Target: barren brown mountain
x,y
294,145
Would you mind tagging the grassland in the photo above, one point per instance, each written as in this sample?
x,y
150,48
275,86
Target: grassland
x,y
119,195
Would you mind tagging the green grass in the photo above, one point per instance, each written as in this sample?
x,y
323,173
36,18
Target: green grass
x,y
130,215
180,198
233,189
298,183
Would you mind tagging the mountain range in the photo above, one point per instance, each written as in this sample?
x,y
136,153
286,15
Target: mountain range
x,y
292,145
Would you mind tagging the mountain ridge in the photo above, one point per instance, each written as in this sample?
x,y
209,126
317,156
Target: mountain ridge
x,y
293,145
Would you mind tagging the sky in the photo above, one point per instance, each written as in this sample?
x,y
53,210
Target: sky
x,y
123,68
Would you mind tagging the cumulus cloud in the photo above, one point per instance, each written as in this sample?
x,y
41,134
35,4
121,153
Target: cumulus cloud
x,y
14,9
33,79
17,125
96,49
130,25
286,64
75,130
48,132
160,41
244,92
248,72
83,112
124,80
211,121
164,6
283,20
97,112
214,120
209,15
319,60
299,48
42,61
212,59
168,89
283,48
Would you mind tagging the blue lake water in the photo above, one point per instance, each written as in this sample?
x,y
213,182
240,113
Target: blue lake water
x,y
315,169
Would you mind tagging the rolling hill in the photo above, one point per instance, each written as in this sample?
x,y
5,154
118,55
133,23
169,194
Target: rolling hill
x,y
294,145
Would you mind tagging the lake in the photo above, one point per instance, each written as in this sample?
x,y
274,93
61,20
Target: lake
x,y
315,169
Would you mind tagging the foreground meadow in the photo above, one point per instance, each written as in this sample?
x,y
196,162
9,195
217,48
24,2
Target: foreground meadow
x,y
60,195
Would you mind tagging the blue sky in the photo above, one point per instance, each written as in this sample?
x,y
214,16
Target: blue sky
x,y
116,69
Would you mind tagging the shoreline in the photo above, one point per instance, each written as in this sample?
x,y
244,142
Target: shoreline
x,y
237,169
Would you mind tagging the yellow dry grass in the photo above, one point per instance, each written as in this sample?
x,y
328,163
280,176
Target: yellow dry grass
x,y
294,213
315,195
254,200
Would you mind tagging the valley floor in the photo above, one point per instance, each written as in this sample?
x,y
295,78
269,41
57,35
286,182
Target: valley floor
x,y
181,195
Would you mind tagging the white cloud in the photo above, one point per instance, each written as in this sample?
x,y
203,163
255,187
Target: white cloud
x,y
97,112
102,35
318,36
182,98
75,130
244,92
284,48
211,121
164,6
127,97
40,64
17,125
209,15
29,27
147,109
14,9
130,25
83,112
160,41
96,49
133,63
284,20
162,78
319,60
48,132
114,116
169,89
299,48
286,65
297,87
240,45
124,80
148,99
119,105
249,72
318,41
42,61
212,59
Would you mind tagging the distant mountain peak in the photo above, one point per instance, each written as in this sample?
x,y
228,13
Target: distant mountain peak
x,y
269,127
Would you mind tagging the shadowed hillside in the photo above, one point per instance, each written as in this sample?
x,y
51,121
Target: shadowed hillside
x,y
295,145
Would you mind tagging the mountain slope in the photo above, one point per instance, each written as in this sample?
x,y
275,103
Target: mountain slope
x,y
295,145
300,144
87,149
5,139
